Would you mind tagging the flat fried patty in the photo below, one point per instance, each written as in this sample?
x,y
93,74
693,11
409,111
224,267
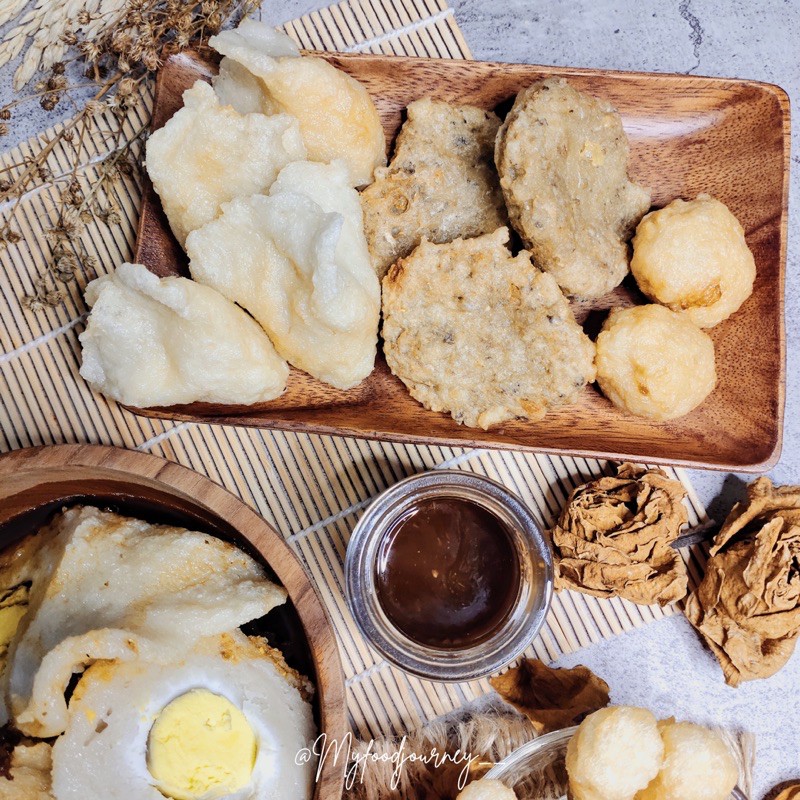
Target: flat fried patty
x,y
479,333
563,162
440,185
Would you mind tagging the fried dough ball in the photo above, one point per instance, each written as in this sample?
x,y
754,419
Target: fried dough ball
x,y
614,754
692,257
486,789
697,765
562,156
654,362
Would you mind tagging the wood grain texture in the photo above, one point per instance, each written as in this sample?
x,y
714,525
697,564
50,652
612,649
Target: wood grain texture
x,y
36,482
688,135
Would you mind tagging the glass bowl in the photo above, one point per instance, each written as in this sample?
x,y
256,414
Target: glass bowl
x,y
509,640
537,769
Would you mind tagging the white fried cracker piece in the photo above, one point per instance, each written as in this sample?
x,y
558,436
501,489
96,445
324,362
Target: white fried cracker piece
x,y
208,153
153,341
336,114
298,262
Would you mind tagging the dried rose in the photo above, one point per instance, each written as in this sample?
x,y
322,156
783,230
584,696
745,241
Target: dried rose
x,y
613,537
551,699
748,604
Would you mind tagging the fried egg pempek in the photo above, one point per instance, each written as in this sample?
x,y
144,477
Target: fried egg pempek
x,y
104,752
208,153
123,589
298,262
336,114
156,341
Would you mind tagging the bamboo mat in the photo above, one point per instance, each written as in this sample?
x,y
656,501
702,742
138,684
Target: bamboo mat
x,y
311,488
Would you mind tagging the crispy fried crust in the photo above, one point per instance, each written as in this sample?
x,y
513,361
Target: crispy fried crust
x,y
441,183
563,163
483,335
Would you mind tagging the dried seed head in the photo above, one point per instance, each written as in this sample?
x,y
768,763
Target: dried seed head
x,y
3,129
127,87
121,42
5,113
151,60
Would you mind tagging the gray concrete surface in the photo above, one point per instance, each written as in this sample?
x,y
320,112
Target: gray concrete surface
x,y
663,666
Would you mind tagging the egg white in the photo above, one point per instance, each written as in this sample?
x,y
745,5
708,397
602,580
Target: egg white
x,y
103,752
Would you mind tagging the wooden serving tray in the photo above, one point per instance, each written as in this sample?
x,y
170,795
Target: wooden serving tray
x,y
688,135
37,482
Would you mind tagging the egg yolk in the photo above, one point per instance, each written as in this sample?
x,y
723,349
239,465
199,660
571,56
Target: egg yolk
x,y
201,745
13,606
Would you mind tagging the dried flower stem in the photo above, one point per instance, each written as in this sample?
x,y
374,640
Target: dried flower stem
x,y
119,44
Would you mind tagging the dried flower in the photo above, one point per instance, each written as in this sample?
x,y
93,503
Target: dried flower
x,y
613,537
120,43
551,699
748,605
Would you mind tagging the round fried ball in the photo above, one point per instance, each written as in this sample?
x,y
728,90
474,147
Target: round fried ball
x,y
614,754
693,257
487,789
697,765
654,362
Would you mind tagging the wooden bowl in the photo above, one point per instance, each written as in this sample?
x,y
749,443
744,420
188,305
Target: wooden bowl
x,y
688,135
36,482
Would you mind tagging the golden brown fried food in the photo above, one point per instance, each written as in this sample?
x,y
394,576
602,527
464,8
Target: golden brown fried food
x,y
698,765
441,183
483,335
693,257
654,362
563,162
614,754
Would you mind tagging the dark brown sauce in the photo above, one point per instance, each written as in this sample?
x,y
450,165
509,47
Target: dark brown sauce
x,y
448,573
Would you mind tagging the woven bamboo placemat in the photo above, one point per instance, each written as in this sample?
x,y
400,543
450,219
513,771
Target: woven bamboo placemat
x,y
311,488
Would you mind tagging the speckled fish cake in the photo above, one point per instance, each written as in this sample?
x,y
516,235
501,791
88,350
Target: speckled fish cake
x,y
441,183
563,162
479,333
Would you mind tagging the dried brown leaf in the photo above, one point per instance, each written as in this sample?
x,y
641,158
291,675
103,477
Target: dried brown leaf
x,y
613,537
748,605
551,699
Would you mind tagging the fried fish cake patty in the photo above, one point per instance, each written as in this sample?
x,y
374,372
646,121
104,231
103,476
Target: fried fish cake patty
x,y
563,162
485,336
441,183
